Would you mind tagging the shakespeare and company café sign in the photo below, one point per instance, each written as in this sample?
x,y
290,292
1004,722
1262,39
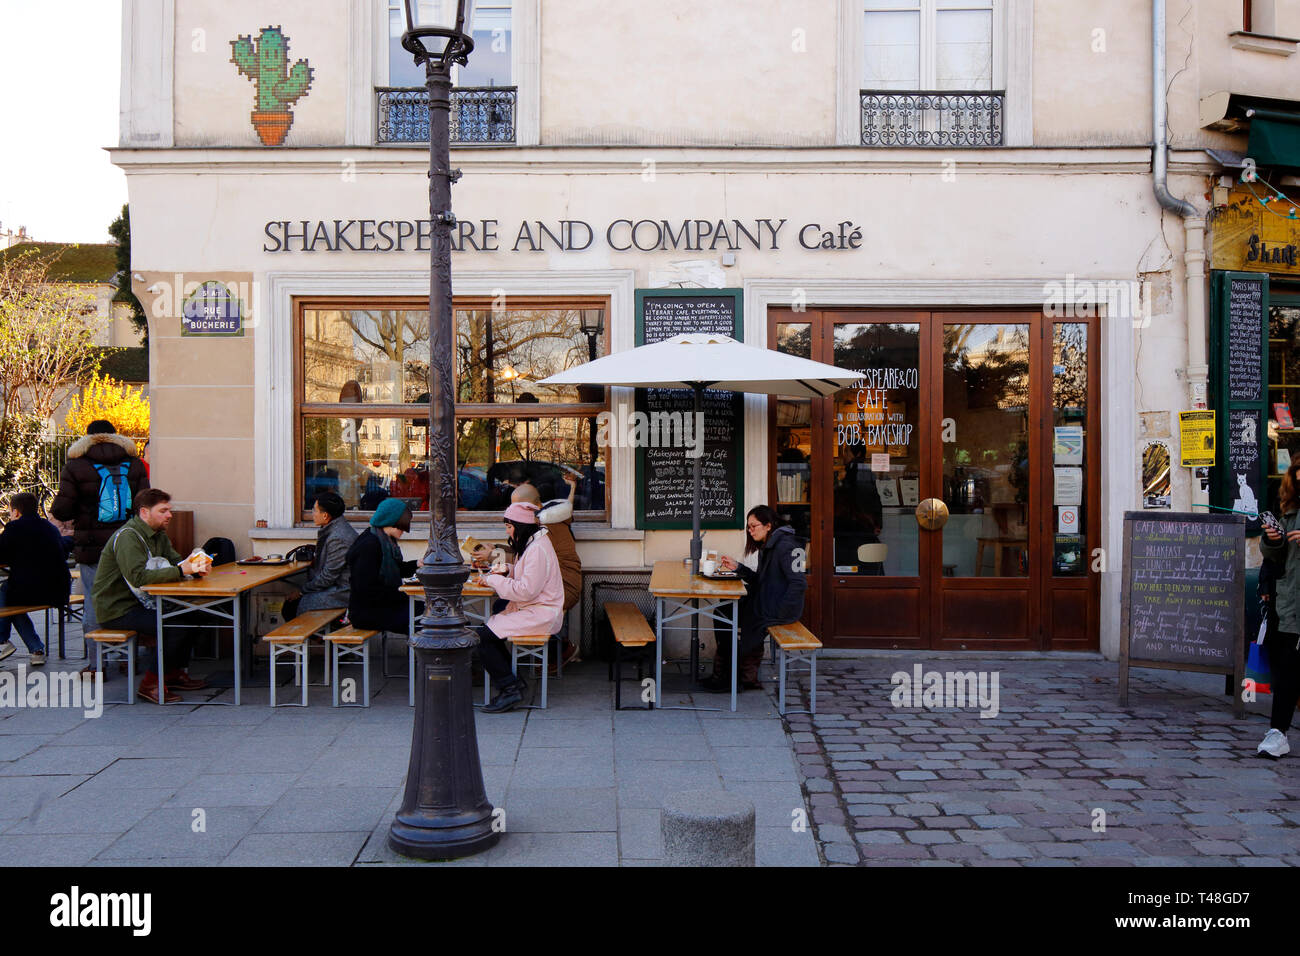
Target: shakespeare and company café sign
x,y
1251,236
561,235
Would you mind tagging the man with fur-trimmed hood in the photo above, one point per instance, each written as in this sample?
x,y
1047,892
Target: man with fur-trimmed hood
x,y
101,461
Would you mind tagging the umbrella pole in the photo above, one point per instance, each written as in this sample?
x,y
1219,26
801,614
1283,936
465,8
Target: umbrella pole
x,y
696,541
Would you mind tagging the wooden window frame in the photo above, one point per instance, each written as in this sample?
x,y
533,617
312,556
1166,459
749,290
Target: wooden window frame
x,y
304,410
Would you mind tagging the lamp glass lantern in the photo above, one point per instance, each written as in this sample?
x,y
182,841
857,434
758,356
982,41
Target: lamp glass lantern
x,y
439,30
592,321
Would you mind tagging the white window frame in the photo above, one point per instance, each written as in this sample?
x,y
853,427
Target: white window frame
x,y
1013,30
369,68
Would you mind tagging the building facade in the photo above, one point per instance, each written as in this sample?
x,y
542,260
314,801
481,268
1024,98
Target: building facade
x,y
953,197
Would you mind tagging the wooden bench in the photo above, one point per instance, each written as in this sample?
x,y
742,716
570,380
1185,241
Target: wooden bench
x,y
530,646
351,645
290,640
117,645
631,632
796,644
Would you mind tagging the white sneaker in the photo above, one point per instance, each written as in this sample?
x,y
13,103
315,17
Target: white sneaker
x,y
36,658
1273,745
6,650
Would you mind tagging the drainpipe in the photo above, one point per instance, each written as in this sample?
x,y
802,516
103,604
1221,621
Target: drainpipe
x,y
1198,369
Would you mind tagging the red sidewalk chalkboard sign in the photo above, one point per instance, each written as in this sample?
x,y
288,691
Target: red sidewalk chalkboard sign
x,y
1184,592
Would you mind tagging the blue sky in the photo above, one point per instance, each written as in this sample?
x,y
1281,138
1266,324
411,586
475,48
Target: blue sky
x,y
61,66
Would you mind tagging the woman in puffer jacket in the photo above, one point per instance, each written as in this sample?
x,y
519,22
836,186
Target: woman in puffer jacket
x,y
774,596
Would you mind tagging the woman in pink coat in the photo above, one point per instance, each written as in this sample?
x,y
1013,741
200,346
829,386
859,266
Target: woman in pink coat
x,y
534,589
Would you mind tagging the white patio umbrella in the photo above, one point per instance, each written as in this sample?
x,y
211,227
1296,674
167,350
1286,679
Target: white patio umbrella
x,y
698,360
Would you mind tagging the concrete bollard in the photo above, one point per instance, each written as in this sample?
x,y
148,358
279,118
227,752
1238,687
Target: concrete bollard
x,y
707,828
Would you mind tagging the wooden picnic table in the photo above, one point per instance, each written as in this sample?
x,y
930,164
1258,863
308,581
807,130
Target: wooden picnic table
x,y
680,594
225,584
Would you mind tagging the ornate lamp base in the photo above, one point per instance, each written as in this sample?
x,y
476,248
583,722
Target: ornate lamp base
x,y
445,813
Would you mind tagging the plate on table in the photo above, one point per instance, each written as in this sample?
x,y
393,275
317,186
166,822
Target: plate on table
x,y
263,562
721,575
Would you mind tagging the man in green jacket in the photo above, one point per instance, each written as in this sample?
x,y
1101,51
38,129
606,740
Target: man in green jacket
x,y
140,554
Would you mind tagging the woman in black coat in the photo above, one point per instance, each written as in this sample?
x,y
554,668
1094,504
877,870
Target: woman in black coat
x,y
774,594
376,569
38,573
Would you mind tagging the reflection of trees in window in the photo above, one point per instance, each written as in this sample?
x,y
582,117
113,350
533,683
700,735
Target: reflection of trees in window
x,y
1070,370
534,343
994,370
794,339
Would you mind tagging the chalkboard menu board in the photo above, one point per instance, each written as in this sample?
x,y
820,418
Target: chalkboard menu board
x,y
1239,392
1183,594
1245,474
1245,339
664,476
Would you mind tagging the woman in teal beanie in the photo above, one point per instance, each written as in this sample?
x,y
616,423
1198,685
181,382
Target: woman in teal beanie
x,y
376,570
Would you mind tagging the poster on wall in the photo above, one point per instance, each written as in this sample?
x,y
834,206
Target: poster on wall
x,y
1196,432
1156,476
1067,445
1068,485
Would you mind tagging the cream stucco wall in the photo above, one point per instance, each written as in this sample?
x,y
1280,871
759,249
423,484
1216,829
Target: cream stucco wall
x,y
214,100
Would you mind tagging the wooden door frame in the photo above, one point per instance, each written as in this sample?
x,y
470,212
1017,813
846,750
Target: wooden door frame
x,y
1040,583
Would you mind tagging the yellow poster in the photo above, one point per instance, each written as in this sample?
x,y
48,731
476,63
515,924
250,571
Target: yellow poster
x,y
1197,432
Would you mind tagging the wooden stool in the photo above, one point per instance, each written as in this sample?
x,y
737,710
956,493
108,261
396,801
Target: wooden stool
x,y
796,644
528,646
117,645
290,639
351,645
631,632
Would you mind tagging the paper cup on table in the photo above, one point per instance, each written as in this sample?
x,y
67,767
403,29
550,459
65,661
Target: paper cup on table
x,y
708,566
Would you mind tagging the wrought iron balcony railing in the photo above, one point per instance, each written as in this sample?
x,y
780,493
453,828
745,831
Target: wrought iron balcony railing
x,y
932,118
481,114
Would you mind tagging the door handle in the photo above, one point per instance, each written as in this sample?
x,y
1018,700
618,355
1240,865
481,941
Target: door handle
x,y
932,514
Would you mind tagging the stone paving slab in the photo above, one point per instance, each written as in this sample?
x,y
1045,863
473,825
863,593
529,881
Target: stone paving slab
x,y
579,784
1061,775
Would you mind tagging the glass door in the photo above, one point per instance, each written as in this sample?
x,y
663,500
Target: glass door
x,y
873,479
988,440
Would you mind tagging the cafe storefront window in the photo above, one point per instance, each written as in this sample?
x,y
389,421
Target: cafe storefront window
x,y
362,400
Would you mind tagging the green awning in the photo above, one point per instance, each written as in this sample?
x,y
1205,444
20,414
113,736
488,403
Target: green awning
x,y
1274,138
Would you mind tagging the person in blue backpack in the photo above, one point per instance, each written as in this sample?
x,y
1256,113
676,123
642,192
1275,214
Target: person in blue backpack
x,y
101,479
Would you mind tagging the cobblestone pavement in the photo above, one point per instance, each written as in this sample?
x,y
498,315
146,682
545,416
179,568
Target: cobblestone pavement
x,y
1175,773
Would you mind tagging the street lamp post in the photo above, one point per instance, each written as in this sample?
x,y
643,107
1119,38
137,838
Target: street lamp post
x,y
445,813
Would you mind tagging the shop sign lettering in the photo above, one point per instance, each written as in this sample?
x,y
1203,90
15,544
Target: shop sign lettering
x,y
563,235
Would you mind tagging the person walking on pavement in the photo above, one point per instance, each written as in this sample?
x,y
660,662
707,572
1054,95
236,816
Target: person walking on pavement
x,y
137,555
38,573
774,595
1282,549
97,488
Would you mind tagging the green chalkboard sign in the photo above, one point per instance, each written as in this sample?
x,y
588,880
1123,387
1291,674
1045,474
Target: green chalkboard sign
x,y
1239,391
664,482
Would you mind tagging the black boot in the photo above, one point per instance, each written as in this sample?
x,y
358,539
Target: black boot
x,y
509,698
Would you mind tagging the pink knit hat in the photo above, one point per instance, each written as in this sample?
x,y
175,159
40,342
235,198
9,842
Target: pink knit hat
x,y
524,512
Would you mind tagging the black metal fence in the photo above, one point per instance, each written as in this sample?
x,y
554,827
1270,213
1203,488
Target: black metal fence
x,y
956,118
484,114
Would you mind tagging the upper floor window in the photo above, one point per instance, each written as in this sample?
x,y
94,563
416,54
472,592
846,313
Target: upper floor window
x,y
483,98
489,64
930,76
